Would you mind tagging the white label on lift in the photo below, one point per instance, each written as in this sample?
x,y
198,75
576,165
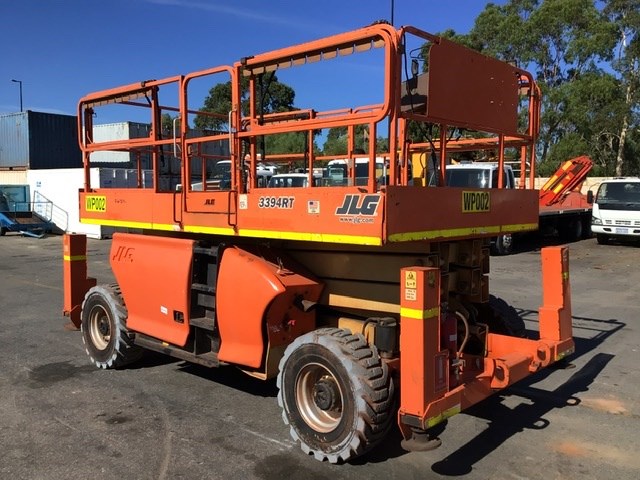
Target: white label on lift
x,y
410,294
243,202
164,310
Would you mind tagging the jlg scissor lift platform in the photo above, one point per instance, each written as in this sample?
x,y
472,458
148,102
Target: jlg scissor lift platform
x,y
366,295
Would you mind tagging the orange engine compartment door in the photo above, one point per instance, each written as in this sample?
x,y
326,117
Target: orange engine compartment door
x,y
154,274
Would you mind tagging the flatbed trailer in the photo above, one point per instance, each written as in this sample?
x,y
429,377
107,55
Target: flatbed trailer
x,y
368,301
23,216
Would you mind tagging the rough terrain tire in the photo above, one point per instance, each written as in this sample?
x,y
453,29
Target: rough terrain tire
x,y
502,245
603,239
335,393
104,332
502,318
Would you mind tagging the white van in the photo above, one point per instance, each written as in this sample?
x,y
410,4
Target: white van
x,y
616,210
336,172
287,180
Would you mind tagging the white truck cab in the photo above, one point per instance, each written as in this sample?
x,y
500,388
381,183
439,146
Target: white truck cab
x,y
483,175
616,210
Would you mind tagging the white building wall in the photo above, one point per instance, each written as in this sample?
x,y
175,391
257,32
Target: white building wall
x,y
13,177
61,186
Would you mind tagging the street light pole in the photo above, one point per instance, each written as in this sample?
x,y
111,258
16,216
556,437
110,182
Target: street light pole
x,y
19,82
392,9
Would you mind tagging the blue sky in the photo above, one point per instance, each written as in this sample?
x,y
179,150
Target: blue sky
x,y
63,49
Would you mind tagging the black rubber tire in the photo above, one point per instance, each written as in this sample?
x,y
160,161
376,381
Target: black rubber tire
x,y
576,230
2,231
603,239
502,245
104,331
571,230
586,227
362,400
502,318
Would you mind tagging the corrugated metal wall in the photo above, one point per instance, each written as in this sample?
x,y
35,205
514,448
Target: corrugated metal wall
x,y
14,140
53,141
119,131
38,140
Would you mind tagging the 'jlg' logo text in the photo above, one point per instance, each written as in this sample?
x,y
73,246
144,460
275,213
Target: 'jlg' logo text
x,y
123,254
475,202
358,208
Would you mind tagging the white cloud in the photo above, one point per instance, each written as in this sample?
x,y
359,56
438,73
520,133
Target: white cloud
x,y
235,12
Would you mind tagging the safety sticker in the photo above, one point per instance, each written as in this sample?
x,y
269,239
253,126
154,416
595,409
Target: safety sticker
x,y
410,279
313,206
243,201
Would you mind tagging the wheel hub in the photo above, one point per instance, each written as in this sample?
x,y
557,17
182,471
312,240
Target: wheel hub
x,y
326,394
103,327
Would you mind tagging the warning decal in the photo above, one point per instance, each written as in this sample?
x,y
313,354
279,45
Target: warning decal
x,y
410,279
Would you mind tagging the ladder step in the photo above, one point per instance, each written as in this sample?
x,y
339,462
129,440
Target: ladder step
x,y
201,287
211,252
206,323
208,359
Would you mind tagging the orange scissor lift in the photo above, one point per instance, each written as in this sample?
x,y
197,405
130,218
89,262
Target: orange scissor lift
x,y
367,296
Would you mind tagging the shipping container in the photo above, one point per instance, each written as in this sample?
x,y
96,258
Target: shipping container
x,y
38,140
124,178
109,132
205,153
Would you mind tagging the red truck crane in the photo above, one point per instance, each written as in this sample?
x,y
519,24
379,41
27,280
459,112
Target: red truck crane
x,y
368,298
563,206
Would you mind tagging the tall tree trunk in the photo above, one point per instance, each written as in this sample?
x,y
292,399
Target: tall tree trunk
x,y
623,134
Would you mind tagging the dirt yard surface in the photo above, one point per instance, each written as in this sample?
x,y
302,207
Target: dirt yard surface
x,y
60,418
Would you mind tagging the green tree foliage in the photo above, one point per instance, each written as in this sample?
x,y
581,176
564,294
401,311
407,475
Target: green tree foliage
x,y
167,124
336,141
272,96
585,56
218,101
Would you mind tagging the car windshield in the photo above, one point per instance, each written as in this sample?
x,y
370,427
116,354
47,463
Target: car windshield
x,y
619,195
469,177
221,169
286,181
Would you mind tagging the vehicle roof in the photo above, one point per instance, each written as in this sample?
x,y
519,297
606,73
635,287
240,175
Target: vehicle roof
x,y
294,175
622,180
476,165
343,161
